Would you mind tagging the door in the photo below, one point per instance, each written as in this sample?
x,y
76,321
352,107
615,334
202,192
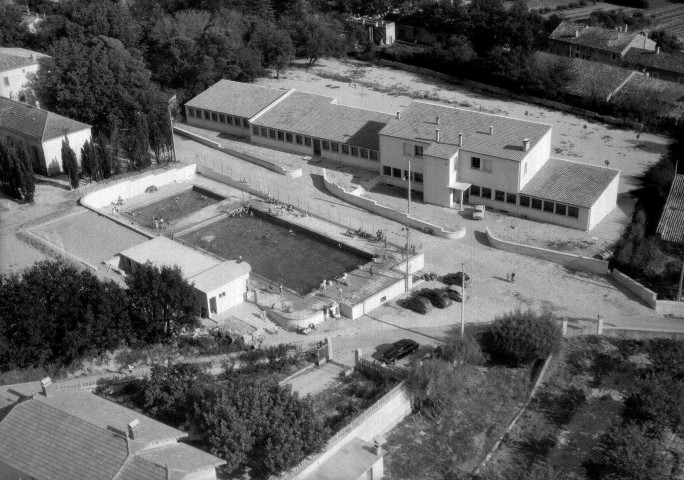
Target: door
x,y
212,304
317,146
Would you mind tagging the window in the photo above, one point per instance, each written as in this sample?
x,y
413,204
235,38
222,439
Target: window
x,y
487,165
475,190
418,177
405,175
335,147
363,152
536,204
499,195
6,80
271,133
307,141
486,192
222,118
281,135
345,149
355,151
191,112
511,198
475,162
230,121
288,137
206,115
245,123
524,201
325,145
264,131
373,154
407,149
255,130
222,294
561,209
418,151
386,170
396,172
299,139
573,212
238,121
613,56
548,206
214,116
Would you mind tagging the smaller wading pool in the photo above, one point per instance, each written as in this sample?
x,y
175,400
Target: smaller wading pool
x,y
278,250
175,206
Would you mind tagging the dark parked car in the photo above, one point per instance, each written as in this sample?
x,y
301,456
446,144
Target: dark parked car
x,y
454,292
457,278
418,304
399,350
439,298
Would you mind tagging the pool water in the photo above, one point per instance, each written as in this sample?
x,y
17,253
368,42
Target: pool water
x,y
175,206
277,250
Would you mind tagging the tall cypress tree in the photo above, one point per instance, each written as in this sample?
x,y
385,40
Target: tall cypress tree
x,y
69,163
26,178
104,153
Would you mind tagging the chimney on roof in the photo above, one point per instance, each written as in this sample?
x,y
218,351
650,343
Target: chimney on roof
x,y
460,139
437,135
437,120
576,33
33,57
398,115
44,384
491,130
37,104
657,50
134,429
526,144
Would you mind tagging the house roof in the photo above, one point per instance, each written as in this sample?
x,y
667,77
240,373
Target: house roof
x,y
21,52
220,275
35,123
419,122
441,150
671,225
671,62
665,97
595,37
12,62
350,462
235,98
318,116
570,182
181,457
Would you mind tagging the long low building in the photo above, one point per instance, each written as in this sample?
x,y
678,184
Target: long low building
x,y
452,155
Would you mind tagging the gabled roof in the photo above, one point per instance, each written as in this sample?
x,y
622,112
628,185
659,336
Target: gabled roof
x,y
671,62
667,98
318,116
12,62
441,150
597,37
35,123
419,122
21,52
671,225
574,183
235,98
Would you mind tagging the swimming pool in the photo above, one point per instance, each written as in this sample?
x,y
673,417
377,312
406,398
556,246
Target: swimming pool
x,y
175,206
277,250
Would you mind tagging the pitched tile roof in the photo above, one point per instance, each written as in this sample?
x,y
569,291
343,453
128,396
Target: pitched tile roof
x,y
35,123
570,182
671,62
441,150
317,116
12,62
595,37
21,52
671,225
235,98
665,97
140,469
181,457
419,122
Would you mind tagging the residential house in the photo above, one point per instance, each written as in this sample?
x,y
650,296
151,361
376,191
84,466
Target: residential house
x,y
578,40
657,64
43,133
218,285
659,98
16,64
671,224
65,434
380,32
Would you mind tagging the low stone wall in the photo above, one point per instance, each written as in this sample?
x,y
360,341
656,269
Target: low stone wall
x,y
668,307
374,207
570,260
641,333
288,172
648,296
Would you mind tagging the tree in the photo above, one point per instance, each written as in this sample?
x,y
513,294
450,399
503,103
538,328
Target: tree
x,y
433,385
657,400
26,179
666,41
69,163
162,302
315,37
13,31
520,338
276,47
260,423
105,155
90,160
461,350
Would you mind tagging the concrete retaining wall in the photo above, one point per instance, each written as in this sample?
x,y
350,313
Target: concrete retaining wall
x,y
570,260
383,211
288,172
641,333
648,296
668,307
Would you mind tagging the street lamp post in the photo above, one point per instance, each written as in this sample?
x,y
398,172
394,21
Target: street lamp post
x,y
463,300
408,229
173,140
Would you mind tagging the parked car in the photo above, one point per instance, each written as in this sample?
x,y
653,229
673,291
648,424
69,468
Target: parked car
x,y
399,350
478,212
439,298
607,255
418,304
456,279
455,292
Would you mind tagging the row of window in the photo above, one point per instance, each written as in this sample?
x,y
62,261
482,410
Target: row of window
x,y
219,117
403,174
413,150
525,201
306,141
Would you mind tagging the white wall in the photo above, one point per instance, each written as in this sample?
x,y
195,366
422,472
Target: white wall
x,y
535,159
217,126
17,81
234,295
52,150
439,173
605,204
393,154
504,175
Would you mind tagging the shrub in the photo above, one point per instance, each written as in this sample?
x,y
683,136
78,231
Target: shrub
x,y
656,400
460,350
520,338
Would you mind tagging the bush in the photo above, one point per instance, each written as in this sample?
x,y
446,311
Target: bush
x,y
460,350
657,400
520,338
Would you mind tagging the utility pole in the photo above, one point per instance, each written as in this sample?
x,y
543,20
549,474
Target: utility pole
x,y
463,300
173,140
408,230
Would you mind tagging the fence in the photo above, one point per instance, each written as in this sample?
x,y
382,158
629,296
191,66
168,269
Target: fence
x,y
374,369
